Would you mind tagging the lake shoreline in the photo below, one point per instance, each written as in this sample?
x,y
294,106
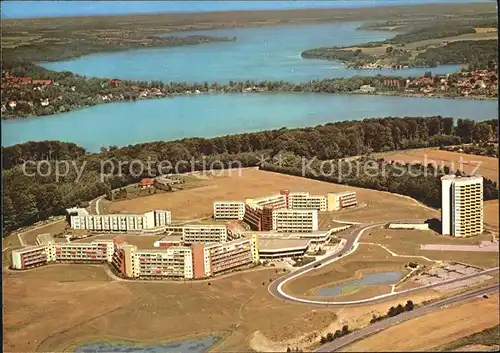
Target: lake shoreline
x,y
391,94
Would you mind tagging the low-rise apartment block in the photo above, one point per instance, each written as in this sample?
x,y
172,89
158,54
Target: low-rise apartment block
x,y
305,201
295,221
229,210
122,222
340,200
204,233
32,256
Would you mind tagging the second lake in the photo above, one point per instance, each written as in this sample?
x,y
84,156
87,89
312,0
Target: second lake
x,y
221,114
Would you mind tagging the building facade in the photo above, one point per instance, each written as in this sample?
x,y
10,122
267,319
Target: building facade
x,y
229,210
340,200
304,201
122,222
462,205
204,233
295,221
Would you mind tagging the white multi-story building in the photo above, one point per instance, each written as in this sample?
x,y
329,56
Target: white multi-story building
x,y
302,200
295,221
204,233
122,222
229,210
339,200
462,205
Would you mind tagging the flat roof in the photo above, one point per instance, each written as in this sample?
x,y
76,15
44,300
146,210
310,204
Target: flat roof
x,y
341,193
280,235
277,244
172,237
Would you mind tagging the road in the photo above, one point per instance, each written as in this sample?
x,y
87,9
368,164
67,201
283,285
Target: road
x,y
382,325
276,287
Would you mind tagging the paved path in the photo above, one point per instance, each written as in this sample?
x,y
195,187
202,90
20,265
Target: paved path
x,y
384,324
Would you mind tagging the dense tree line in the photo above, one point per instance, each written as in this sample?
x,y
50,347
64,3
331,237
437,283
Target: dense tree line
x,y
476,53
421,182
37,151
394,311
28,199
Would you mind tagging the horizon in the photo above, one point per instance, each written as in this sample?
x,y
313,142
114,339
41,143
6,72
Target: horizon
x,y
55,9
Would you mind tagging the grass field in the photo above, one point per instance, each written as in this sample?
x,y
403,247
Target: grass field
x,y
407,242
486,166
198,202
434,329
367,259
30,235
43,312
490,211
485,340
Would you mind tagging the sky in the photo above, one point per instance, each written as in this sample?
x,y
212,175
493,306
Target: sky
x,y
30,9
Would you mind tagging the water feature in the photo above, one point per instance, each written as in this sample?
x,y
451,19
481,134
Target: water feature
x,y
220,114
264,53
370,279
188,346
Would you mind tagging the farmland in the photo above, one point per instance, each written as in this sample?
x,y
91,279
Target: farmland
x,y
485,166
438,328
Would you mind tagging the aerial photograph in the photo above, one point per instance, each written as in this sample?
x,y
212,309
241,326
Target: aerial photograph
x,y
250,176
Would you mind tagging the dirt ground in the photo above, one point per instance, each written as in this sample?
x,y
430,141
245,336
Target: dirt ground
x,y
41,311
367,259
45,312
488,166
437,328
490,213
407,242
249,182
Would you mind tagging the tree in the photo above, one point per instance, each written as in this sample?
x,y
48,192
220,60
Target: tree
x,y
345,330
389,49
330,337
482,132
409,306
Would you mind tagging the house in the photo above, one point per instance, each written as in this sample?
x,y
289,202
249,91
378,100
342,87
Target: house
x,y
366,89
42,82
146,183
114,83
12,104
44,102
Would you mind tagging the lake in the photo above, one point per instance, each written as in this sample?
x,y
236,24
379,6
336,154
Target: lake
x,y
188,346
370,279
263,53
127,123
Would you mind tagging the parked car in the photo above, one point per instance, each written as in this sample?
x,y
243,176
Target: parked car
x,y
317,265
485,296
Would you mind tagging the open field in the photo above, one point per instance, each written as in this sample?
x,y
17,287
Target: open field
x,y
44,313
485,340
407,242
437,328
39,314
490,213
198,202
486,166
367,259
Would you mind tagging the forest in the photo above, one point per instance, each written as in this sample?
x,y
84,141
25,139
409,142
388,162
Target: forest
x,y
477,53
31,195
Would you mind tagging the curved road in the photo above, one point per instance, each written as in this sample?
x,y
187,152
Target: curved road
x,y
276,287
384,324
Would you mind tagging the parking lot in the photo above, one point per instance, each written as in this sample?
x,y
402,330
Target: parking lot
x,y
447,272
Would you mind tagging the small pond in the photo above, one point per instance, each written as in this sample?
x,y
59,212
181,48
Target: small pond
x,y
189,346
377,278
